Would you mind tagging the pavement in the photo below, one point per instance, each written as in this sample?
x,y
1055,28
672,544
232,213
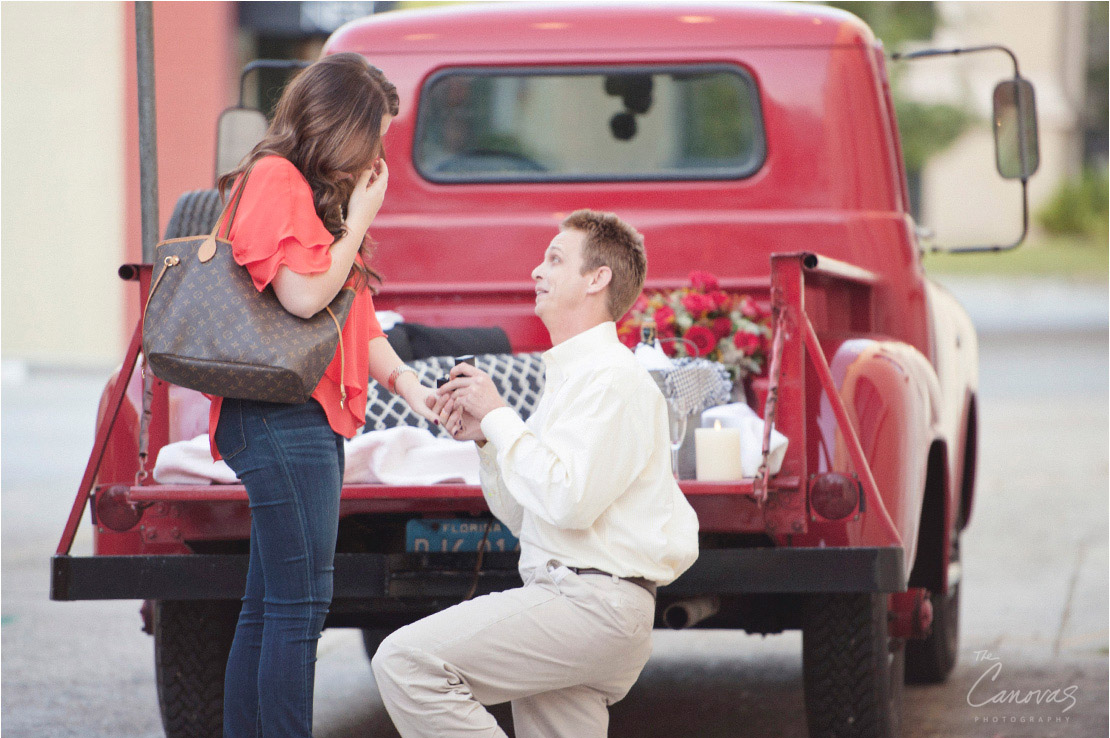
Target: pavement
x,y
1030,305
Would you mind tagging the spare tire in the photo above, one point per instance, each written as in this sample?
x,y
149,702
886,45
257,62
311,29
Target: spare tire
x,y
195,214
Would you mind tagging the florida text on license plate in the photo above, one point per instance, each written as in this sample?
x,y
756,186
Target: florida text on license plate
x,y
453,535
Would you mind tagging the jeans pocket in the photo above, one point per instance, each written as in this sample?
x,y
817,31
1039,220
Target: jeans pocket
x,y
230,438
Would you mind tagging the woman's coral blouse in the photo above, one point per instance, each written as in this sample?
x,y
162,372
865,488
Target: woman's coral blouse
x,y
276,225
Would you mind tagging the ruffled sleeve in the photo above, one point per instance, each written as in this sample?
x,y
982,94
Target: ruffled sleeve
x,y
276,224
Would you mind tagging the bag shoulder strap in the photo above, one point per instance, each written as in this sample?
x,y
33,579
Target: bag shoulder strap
x,y
233,205
208,249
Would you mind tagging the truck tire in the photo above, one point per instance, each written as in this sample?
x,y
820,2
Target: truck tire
x,y
852,670
931,659
372,638
191,642
194,214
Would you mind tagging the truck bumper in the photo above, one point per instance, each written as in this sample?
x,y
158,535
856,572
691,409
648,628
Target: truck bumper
x,y
368,576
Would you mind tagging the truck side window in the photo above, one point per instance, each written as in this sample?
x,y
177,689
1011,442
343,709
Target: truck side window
x,y
589,124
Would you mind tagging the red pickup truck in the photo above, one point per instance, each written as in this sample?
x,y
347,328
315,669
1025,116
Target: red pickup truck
x,y
756,143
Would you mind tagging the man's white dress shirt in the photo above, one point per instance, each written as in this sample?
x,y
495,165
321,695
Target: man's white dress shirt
x,y
587,479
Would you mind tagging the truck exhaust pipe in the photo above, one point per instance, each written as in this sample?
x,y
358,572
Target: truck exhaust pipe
x,y
687,613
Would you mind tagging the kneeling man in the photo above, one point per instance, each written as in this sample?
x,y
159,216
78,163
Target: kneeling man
x,y
586,484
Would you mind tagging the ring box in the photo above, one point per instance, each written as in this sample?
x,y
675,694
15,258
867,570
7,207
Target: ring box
x,y
468,359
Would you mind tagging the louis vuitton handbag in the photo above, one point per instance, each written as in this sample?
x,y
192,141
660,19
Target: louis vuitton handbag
x,y
207,328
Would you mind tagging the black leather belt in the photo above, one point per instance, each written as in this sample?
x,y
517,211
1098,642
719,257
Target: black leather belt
x,y
641,582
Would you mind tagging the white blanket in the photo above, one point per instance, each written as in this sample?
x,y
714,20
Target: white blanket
x,y
413,456
739,415
397,456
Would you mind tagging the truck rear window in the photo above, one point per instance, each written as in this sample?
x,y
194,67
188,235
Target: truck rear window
x,y
577,124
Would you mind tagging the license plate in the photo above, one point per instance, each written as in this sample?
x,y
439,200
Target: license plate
x,y
454,535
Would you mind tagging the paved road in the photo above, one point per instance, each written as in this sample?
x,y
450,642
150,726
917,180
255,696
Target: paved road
x,y
1035,585
1017,305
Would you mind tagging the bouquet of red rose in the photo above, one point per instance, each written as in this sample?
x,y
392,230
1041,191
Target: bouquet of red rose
x,y
729,328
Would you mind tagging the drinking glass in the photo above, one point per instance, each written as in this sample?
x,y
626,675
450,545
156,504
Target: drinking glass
x,y
677,426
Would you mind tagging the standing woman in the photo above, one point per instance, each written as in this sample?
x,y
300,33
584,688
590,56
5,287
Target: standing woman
x,y
313,186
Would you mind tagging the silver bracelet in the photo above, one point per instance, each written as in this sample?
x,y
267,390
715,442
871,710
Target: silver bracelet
x,y
391,383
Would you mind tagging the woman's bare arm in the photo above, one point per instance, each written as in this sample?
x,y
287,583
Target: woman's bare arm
x,y
383,360
304,295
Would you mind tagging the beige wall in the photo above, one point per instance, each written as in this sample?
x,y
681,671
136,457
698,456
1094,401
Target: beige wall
x,y
61,211
964,200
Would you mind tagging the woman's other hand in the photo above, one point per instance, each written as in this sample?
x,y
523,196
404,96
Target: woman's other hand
x,y
367,197
304,295
421,399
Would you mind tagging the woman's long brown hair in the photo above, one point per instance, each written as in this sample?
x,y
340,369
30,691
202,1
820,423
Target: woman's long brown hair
x,y
328,124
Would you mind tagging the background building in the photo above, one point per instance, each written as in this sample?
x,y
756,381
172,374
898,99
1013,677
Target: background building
x,y
70,168
1061,47
70,206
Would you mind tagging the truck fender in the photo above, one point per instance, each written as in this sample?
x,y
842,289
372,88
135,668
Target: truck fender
x,y
121,455
892,397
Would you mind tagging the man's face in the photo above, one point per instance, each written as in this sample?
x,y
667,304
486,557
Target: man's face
x,y
560,284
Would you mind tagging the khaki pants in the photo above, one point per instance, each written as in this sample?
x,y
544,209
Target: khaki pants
x,y
562,648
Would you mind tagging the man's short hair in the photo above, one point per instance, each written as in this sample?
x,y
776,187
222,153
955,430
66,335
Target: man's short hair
x,y
613,243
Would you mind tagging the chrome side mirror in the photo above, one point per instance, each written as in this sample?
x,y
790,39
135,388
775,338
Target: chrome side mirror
x,y
237,131
1017,153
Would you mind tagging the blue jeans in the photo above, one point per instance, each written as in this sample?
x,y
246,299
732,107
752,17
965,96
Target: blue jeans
x,y
291,462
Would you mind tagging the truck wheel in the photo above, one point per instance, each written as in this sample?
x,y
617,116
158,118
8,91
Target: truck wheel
x,y
194,214
191,642
372,638
852,670
930,660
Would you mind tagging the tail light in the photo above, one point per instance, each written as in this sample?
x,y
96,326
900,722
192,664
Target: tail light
x,y
834,496
115,510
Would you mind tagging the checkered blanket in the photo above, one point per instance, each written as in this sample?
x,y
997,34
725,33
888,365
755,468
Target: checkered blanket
x,y
519,379
694,385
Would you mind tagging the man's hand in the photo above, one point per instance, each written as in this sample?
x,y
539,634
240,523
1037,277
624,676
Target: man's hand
x,y
462,426
465,427
471,396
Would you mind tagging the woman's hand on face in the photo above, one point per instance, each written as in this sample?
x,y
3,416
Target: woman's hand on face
x,y
367,197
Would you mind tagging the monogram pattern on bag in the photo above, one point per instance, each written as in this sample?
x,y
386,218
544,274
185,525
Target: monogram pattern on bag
x,y
519,379
207,328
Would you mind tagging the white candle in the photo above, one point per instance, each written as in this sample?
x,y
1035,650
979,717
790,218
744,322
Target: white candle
x,y
718,454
